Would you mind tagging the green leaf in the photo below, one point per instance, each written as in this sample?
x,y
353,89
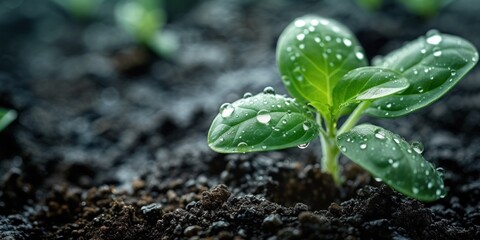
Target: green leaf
x,y
313,53
263,122
432,65
140,18
6,117
390,158
366,83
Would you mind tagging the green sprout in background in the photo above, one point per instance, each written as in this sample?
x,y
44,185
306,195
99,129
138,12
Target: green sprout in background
x,y
424,8
7,116
144,20
325,69
80,9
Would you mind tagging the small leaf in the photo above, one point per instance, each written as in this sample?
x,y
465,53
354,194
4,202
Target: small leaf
x,y
432,65
263,122
366,83
6,117
313,53
390,158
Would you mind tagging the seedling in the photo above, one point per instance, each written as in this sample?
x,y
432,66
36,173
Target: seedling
x,y
324,68
425,8
144,19
80,9
6,117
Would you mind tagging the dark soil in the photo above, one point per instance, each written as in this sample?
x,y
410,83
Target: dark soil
x,y
110,142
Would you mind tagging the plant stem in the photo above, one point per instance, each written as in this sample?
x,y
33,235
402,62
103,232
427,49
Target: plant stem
x,y
328,137
330,150
354,117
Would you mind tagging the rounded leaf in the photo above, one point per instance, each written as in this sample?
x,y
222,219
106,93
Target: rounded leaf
x,y
391,159
313,53
263,122
432,65
366,83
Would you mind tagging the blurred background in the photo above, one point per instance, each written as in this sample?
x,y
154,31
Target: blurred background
x,y
113,92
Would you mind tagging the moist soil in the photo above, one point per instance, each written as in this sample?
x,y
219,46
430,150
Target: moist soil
x,y
110,142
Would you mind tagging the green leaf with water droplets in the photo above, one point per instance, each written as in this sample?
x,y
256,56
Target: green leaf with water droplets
x,y
313,53
393,160
263,122
6,117
364,84
432,65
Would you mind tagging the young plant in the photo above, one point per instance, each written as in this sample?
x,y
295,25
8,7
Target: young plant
x,y
6,117
324,68
144,19
80,9
424,8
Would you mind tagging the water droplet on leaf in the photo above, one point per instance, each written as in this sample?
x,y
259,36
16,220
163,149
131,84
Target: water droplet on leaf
x,y
347,42
303,146
433,37
300,37
247,95
417,147
299,23
269,90
226,110
263,116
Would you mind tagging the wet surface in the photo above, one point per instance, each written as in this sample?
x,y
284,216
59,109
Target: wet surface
x,y
110,142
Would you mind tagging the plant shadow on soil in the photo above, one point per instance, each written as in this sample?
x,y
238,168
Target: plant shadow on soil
x,y
111,140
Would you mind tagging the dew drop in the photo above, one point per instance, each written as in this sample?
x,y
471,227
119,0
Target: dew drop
x,y
440,171
301,46
303,146
433,37
343,148
263,116
415,190
347,42
306,125
284,121
317,39
395,164
349,139
324,21
247,95
242,146
269,90
378,179
437,53
430,185
363,146
314,22
222,139
417,147
396,140
359,55
311,29
339,56
423,50
300,37
389,105
328,38
299,23
226,110
264,147
420,89
379,134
